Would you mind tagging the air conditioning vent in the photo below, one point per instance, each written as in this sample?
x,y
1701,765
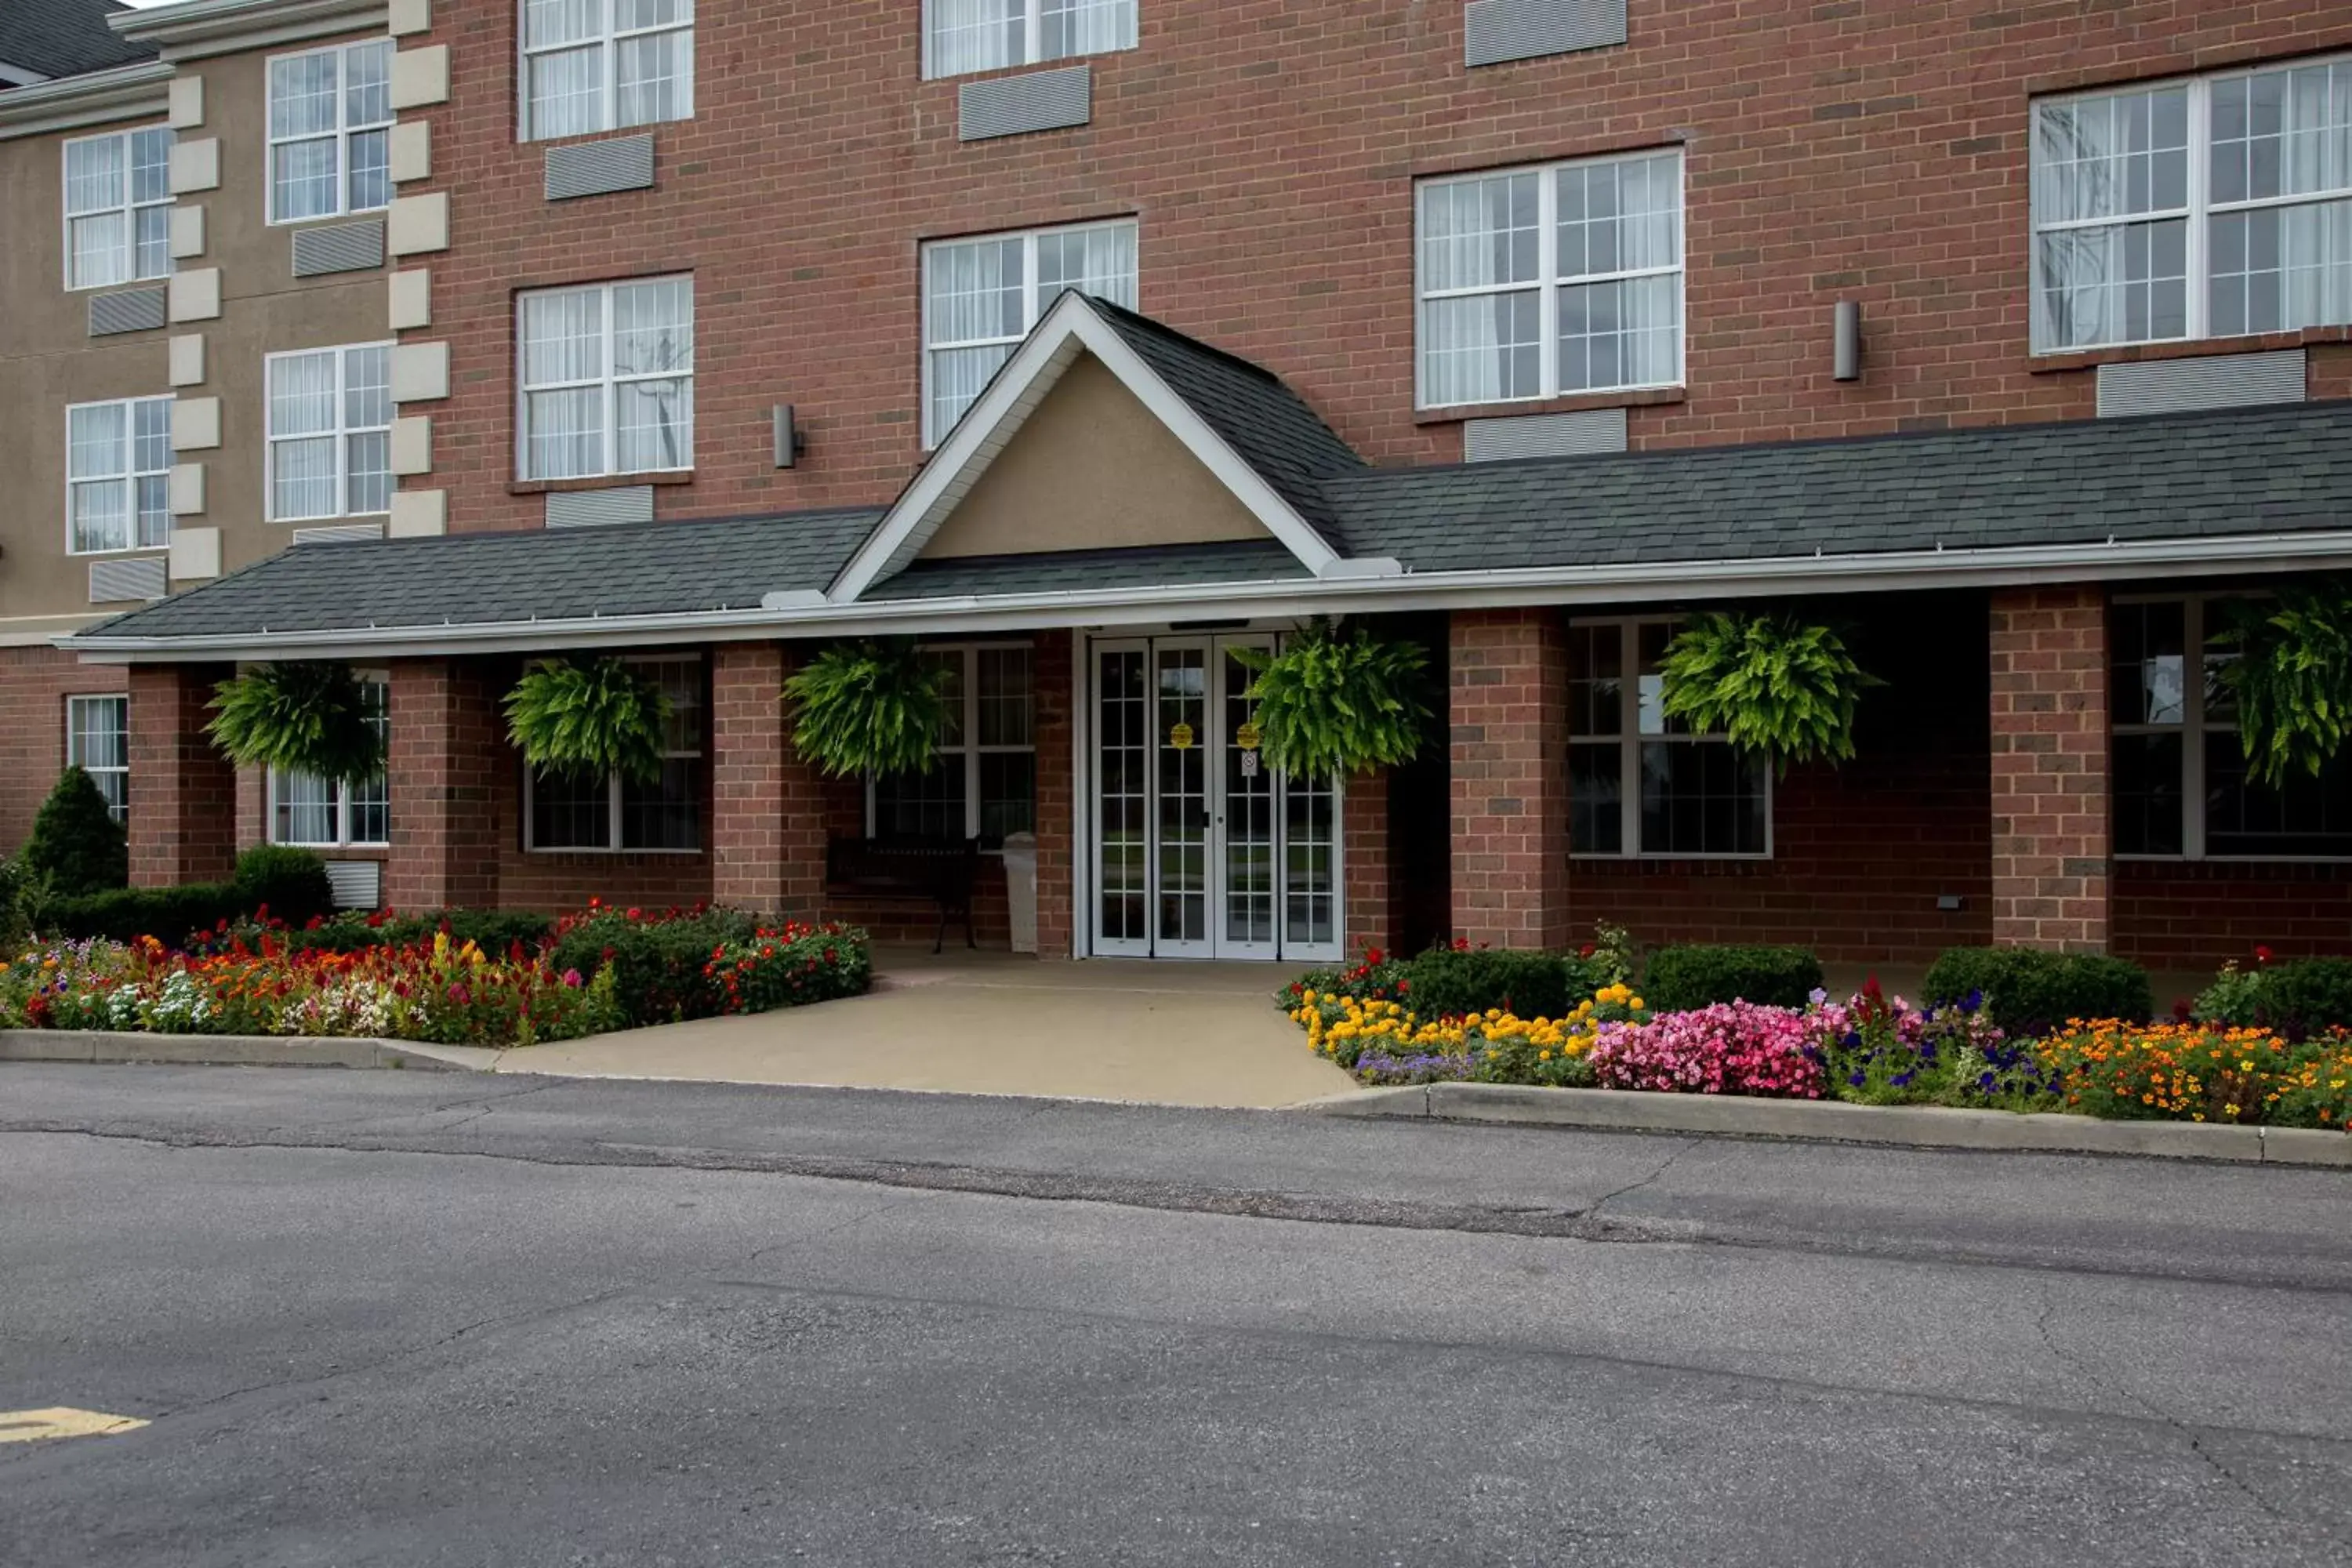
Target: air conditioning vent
x,y
338,247
600,508
1590,433
357,884
1495,31
1012,105
339,533
2187,385
128,310
596,168
122,582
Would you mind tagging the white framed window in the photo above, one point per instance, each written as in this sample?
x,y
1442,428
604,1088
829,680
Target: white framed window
x,y
607,379
964,36
605,814
330,814
117,207
329,132
984,784
97,742
1546,282
2217,206
981,296
118,476
1641,783
2179,788
329,417
601,65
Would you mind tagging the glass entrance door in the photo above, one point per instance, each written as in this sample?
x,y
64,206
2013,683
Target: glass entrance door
x,y
1200,849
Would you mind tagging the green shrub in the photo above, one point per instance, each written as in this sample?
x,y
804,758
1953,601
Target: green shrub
x,y
1699,975
797,965
2029,992
125,914
1456,982
492,931
2307,996
22,893
659,966
75,842
290,883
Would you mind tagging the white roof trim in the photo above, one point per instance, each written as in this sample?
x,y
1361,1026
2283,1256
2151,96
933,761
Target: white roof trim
x,y
91,97
197,29
1071,327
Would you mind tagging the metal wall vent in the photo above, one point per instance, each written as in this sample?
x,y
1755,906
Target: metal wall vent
x,y
339,533
128,311
124,581
2185,385
600,508
357,884
338,247
1591,433
1013,105
595,168
1498,30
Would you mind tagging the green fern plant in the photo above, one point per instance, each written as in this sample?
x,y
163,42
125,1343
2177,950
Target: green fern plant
x,y
868,707
305,718
588,719
1768,683
2292,678
1332,703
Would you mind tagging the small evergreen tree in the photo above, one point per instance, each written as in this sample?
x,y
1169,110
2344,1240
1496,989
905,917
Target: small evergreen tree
x,y
75,843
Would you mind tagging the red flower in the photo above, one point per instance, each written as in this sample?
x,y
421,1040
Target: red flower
x,y
2262,956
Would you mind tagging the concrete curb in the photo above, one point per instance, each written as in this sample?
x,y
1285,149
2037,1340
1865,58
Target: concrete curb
x,y
236,1050
1834,1121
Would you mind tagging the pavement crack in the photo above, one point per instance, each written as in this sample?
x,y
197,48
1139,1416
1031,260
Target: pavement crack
x,y
1592,1210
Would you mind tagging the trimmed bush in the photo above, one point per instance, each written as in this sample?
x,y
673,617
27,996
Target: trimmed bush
x,y
2029,992
75,842
2307,996
1456,981
1681,979
125,914
492,931
290,883
661,967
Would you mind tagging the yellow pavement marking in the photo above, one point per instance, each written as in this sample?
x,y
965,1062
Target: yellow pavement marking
x,y
62,1421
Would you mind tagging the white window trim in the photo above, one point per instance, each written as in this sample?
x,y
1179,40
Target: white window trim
x,y
342,790
76,699
1548,283
972,750
130,476
1033,30
2198,210
607,382
615,787
341,135
1629,742
1032,307
341,434
606,43
129,209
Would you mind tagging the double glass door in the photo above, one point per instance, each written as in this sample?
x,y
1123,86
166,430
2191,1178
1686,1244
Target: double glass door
x,y
1200,849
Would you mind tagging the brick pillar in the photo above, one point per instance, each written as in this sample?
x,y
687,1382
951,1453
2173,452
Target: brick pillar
x,y
1054,682
443,768
252,806
182,824
2050,814
767,812
1364,835
1508,699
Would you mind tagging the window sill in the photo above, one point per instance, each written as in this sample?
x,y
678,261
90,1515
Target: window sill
x,y
126,283
352,216
1059,60
127,550
1572,403
575,138
356,851
608,854
1671,862
331,520
600,482
2132,859
2199,348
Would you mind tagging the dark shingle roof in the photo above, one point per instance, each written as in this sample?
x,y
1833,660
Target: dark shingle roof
x,y
1080,571
2261,470
64,37
641,568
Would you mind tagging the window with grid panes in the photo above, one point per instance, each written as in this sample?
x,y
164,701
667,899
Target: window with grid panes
x,y
97,742
566,812
604,65
118,475
330,814
981,296
330,414
984,783
117,207
1641,783
607,379
965,36
329,132
2218,206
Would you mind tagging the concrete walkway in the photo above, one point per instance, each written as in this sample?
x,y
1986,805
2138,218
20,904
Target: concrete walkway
x,y
988,1023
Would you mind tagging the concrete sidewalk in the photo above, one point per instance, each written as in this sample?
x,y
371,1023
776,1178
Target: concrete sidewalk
x,y
993,1023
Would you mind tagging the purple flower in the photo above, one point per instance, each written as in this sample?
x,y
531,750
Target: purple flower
x,y
571,978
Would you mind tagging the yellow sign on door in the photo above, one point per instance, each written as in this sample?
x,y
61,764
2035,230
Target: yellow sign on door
x,y
1247,736
1180,737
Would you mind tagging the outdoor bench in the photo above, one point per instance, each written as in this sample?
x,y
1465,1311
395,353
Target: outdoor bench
x,y
940,870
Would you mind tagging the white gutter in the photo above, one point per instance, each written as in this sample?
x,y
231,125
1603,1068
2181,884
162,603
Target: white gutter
x,y
196,29
93,98
798,615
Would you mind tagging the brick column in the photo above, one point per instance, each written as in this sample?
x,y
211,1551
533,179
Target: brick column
x,y
182,824
443,766
767,811
1364,838
1055,684
1508,699
2049,813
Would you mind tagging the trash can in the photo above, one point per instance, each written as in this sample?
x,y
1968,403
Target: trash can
x,y
1021,889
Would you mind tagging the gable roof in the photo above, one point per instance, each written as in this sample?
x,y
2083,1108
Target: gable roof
x,y
65,38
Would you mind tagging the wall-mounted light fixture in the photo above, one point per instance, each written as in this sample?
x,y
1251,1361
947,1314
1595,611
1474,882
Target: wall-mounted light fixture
x,y
1849,340
789,439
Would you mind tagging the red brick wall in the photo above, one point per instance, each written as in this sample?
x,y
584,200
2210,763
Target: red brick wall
x,y
767,824
2050,842
2176,915
183,820
34,684
1365,862
1268,147
442,767
1507,681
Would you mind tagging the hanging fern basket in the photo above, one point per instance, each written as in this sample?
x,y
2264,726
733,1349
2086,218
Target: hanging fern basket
x,y
1770,683
1333,702
868,707
587,719
298,717
2292,678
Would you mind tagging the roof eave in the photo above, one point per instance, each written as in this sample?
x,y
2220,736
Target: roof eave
x,y
197,29
92,98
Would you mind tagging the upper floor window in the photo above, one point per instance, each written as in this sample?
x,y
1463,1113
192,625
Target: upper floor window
x,y
328,814
980,297
330,130
118,475
2215,207
617,813
117,207
1542,283
1642,783
963,35
330,433
608,379
97,742
984,784
599,65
